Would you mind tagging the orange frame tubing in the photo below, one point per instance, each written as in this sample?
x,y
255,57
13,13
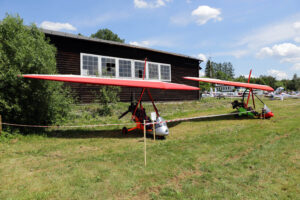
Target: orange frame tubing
x,y
139,125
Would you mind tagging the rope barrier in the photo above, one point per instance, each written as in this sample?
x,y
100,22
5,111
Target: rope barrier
x,y
102,125
64,126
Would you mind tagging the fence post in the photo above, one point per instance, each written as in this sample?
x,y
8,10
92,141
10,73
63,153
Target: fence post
x,y
153,126
145,154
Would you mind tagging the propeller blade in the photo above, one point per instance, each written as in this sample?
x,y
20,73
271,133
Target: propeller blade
x,y
124,114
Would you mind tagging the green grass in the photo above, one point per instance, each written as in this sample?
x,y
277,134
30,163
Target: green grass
x,y
219,158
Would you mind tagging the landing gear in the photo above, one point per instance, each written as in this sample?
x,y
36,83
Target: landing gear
x,y
245,110
124,131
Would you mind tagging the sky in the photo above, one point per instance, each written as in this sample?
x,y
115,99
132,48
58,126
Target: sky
x,y
263,35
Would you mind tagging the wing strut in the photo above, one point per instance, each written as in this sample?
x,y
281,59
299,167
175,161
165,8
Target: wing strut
x,y
142,93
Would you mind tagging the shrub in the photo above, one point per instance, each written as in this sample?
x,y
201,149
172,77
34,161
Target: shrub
x,y
24,50
107,97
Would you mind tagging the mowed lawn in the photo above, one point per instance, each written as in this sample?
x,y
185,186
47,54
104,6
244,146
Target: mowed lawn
x,y
217,158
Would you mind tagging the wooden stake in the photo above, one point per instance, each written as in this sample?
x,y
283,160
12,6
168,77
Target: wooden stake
x,y
145,153
0,124
154,131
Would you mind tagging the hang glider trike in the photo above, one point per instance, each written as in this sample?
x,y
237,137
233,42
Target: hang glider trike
x,y
243,108
136,109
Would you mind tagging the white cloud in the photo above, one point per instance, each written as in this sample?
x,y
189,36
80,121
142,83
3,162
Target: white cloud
x,y
297,39
284,50
273,33
201,73
202,57
297,25
204,13
144,43
278,74
264,52
296,67
56,26
151,4
161,42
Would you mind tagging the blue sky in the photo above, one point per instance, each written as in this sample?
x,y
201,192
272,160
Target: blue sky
x,y
260,34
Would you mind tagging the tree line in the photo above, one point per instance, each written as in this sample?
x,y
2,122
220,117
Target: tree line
x,y
225,71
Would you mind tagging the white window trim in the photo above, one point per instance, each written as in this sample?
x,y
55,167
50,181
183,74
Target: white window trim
x,y
132,67
116,66
170,73
148,71
137,78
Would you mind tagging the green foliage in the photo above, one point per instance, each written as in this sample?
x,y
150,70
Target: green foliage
x,y
204,86
107,97
24,50
209,70
224,71
106,34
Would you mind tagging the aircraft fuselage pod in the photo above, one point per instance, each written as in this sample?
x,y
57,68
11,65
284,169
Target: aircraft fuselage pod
x,y
161,128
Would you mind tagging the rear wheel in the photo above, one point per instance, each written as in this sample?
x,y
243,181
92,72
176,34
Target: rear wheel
x,y
124,131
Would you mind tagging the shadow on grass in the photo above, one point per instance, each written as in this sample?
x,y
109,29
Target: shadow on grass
x,y
117,133
216,118
87,133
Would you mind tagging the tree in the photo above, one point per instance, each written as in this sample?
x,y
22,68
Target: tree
x,y
106,34
209,70
223,70
24,50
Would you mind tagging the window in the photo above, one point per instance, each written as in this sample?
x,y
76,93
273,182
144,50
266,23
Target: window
x,y
153,71
125,68
165,72
139,69
89,65
108,67
113,67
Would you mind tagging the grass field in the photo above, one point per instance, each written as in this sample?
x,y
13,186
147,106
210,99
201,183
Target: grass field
x,y
218,158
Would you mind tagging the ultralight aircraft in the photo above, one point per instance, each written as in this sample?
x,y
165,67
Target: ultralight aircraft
x,y
138,112
242,107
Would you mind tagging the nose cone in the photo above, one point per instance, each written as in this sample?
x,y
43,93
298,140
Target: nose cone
x,y
161,128
163,131
269,115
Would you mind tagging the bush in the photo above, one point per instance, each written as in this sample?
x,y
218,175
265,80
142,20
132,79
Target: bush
x,y
24,50
107,97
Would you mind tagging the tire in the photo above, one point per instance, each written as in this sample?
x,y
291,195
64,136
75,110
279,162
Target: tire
x,y
124,131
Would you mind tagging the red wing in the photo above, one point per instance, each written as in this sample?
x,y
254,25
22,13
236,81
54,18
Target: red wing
x,y
112,81
231,83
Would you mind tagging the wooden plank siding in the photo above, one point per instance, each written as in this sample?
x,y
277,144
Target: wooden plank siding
x,y
68,62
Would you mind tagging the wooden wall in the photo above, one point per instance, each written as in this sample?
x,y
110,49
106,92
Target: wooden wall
x,y
68,62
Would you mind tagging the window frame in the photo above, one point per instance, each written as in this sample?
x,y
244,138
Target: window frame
x,y
81,64
116,67
170,69
131,68
117,75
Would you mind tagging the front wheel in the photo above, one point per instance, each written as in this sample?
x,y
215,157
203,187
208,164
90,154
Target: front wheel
x,y
124,131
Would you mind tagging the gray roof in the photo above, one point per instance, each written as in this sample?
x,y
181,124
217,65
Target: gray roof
x,y
69,35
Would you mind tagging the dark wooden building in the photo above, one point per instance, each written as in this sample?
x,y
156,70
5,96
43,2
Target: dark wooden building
x,y
81,55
